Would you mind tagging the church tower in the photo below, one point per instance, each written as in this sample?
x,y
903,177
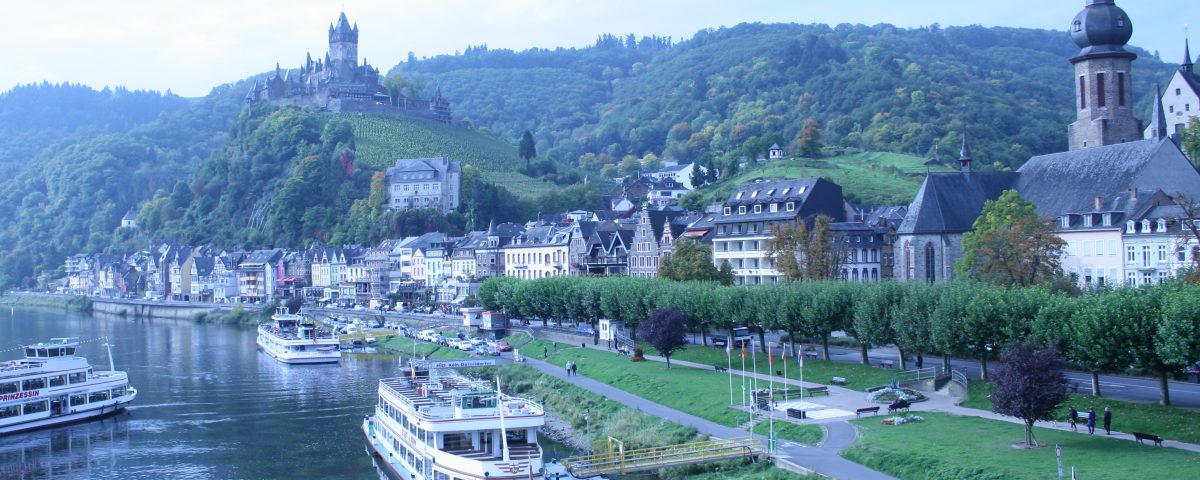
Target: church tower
x,y
343,50
1103,85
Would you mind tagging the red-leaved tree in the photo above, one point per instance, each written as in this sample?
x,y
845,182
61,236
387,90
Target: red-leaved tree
x,y
1030,385
666,330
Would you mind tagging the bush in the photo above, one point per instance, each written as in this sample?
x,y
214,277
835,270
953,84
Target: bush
x,y
638,355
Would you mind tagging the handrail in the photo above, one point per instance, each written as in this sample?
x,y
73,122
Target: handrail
x,y
625,461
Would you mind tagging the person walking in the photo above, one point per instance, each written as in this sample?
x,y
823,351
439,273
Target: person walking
x,y
570,368
545,352
1091,420
1073,418
574,369
1107,421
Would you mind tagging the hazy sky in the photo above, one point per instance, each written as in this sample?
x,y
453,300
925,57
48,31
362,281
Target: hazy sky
x,y
190,46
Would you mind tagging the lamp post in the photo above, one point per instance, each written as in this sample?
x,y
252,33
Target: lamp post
x,y
587,419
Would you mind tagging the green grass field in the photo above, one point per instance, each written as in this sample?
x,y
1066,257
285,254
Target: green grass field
x,y
1168,422
381,140
408,347
950,447
858,377
877,178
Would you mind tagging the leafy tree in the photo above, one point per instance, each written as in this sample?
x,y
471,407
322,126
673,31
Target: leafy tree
x,y
689,260
1100,337
1030,386
1190,139
808,141
873,308
911,319
987,312
629,165
1177,337
829,309
1011,245
784,246
527,150
949,338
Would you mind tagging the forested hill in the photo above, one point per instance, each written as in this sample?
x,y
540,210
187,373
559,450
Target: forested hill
x,y
33,117
735,91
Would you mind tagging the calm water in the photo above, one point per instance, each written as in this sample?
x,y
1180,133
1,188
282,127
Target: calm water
x,y
209,406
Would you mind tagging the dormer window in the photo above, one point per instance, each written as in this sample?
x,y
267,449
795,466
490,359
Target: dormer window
x,y
726,211
754,194
1064,221
1106,219
774,207
1129,227
741,209
1078,25
791,206
1162,225
1146,226
1087,220
1121,21
758,209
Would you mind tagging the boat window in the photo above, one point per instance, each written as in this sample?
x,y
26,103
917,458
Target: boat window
x,y
10,387
58,380
77,377
77,400
118,392
70,350
33,384
43,353
30,353
54,352
98,396
36,407
456,441
516,436
10,411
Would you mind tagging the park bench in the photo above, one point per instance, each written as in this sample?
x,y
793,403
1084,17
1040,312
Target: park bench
x,y
838,381
887,364
810,354
1138,436
871,410
796,413
720,368
787,394
899,405
816,390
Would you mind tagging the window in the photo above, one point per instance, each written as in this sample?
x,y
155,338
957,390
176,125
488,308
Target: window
x,y
1177,91
1130,254
739,195
1171,109
35,407
930,264
1100,90
1087,220
754,194
1082,92
1131,278
33,384
741,209
1145,255
1064,221
10,387
1162,225
1112,248
774,207
1162,253
726,211
58,380
1146,226
77,400
786,190
1121,89
1099,247
757,208
1087,248
1078,25
1106,219
791,206
1129,227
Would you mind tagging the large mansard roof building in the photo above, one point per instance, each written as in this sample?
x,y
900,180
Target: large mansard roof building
x,y
340,83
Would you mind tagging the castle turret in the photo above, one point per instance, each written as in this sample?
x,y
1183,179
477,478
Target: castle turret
x,y
1103,83
343,49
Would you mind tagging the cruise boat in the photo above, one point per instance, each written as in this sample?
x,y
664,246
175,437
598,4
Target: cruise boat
x,y
447,427
290,339
52,386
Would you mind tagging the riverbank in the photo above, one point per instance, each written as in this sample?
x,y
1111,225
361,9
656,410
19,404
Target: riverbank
x,y
69,303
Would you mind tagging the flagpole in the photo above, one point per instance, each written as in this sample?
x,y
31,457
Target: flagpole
x,y
771,398
503,434
729,368
744,374
800,358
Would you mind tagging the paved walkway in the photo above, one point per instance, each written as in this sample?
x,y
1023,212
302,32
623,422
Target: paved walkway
x,y
822,459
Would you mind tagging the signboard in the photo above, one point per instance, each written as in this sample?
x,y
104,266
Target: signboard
x,y
465,363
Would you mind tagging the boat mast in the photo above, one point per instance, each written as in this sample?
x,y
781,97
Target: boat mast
x,y
500,408
108,346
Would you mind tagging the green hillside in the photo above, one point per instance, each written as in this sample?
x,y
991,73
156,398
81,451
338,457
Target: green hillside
x,y
383,139
871,178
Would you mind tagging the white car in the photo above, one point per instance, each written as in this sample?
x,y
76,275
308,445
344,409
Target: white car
x,y
465,345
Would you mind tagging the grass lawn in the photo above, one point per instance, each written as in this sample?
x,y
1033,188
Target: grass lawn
x,y
858,377
806,434
405,347
1168,422
947,446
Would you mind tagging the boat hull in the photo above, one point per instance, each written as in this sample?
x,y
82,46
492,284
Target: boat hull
x,y
78,417
292,359
393,469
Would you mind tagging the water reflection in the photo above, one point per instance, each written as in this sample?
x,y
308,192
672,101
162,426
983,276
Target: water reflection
x,y
76,451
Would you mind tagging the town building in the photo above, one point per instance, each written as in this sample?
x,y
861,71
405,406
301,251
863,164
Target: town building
x,y
1181,99
653,236
539,252
432,183
743,228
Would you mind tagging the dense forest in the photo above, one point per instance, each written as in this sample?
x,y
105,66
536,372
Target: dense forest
x,y
734,91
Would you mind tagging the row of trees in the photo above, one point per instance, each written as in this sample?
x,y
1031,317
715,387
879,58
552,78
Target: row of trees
x,y
1153,330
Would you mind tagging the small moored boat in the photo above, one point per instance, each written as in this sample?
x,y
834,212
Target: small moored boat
x,y
291,339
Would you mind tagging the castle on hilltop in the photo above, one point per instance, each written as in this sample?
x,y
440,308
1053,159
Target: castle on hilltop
x,y
340,84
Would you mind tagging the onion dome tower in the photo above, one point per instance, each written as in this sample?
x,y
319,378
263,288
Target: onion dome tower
x,y
1103,82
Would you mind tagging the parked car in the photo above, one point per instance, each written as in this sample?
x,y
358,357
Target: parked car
x,y
475,341
585,329
465,345
503,346
487,351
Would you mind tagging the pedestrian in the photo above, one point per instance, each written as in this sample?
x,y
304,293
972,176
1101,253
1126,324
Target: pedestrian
x,y
583,345
920,361
574,369
555,347
545,352
1073,417
1091,419
568,367
1107,421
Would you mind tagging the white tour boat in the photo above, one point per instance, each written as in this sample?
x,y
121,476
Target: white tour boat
x,y
51,386
447,427
289,339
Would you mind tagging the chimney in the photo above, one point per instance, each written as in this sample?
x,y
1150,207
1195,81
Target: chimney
x,y
1133,193
1099,203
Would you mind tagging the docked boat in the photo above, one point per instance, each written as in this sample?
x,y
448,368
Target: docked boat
x,y
292,340
52,386
442,427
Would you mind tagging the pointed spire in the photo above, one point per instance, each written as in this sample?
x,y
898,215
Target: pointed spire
x,y
491,227
1187,56
964,155
1158,124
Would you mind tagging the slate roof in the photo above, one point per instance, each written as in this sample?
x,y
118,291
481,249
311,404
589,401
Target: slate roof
x,y
779,191
1069,182
950,202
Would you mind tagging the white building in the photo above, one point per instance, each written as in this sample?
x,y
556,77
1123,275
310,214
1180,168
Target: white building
x,y
539,252
424,183
1181,99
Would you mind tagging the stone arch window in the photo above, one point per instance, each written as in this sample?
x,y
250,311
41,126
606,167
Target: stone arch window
x,y
875,274
930,264
854,274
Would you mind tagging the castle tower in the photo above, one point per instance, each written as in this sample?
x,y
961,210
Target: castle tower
x,y
343,49
1103,84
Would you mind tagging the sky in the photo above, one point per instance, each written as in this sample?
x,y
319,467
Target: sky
x,y
190,46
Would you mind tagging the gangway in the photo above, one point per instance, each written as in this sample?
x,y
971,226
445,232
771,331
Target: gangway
x,y
373,333
619,461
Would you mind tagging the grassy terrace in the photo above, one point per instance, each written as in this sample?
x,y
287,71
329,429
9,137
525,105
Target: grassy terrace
x,y
1167,422
703,393
950,447
858,377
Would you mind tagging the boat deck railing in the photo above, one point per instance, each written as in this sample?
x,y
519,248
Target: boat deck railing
x,y
435,398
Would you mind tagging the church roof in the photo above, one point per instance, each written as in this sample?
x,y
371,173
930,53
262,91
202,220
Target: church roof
x,y
1102,29
950,202
1069,182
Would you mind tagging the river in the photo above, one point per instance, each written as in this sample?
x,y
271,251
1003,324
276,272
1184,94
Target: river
x,y
209,406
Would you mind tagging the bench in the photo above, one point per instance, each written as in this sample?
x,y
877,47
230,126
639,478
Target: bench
x,y
796,413
816,390
787,394
811,354
720,368
887,364
838,381
871,410
1138,436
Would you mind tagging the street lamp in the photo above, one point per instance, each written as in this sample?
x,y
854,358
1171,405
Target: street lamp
x,y
587,419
